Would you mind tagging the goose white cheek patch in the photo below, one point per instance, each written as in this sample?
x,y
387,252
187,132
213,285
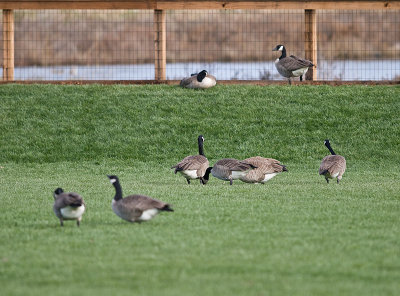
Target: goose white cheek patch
x,y
113,181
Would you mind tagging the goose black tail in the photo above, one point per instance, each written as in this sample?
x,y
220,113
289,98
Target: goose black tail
x,y
167,208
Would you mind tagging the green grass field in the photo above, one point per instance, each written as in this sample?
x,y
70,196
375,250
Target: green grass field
x,y
295,235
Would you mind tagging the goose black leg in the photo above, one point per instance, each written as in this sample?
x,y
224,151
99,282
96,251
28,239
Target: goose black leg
x,y
78,223
61,222
188,181
230,181
327,180
290,82
301,77
338,181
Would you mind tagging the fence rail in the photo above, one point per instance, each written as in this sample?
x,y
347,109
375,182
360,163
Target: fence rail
x,y
181,4
159,8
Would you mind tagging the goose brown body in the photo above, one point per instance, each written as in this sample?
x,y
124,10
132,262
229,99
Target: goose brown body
x,y
135,208
291,66
199,80
332,166
193,166
267,168
68,206
229,169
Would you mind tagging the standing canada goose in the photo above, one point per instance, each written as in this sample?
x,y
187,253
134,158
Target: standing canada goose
x,y
291,66
135,208
267,168
199,80
229,169
332,166
68,206
194,166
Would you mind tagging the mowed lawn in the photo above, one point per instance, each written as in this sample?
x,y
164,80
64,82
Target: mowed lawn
x,y
295,235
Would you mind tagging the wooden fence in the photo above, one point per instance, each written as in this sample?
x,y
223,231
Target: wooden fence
x,y
160,7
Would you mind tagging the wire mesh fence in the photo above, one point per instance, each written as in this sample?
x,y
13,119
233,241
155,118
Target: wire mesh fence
x,y
230,44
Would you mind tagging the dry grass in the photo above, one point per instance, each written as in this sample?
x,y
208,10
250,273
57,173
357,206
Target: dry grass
x,y
126,37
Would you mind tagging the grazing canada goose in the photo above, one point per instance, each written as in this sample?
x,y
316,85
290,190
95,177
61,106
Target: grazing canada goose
x,y
199,80
135,208
291,66
267,168
68,206
194,166
332,166
229,169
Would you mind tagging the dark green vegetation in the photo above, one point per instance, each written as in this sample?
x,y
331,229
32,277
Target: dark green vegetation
x,y
296,235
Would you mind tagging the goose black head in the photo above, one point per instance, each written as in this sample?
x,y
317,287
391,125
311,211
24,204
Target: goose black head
x,y
279,47
57,192
326,142
112,178
200,138
201,75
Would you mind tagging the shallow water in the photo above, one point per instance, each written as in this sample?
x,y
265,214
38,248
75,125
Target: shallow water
x,y
327,70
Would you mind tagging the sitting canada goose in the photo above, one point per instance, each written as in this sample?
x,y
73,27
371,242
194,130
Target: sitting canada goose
x,y
267,168
194,166
200,80
229,169
68,206
332,166
291,66
135,208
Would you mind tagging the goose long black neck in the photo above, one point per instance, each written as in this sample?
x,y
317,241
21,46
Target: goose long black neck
x,y
200,142
283,55
206,176
118,190
328,145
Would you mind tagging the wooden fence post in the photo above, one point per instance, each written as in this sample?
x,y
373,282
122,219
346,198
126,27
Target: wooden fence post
x,y
310,44
8,45
160,44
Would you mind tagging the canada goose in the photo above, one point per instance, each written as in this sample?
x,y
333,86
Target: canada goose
x,y
199,80
332,166
68,206
291,66
267,168
229,169
135,208
194,166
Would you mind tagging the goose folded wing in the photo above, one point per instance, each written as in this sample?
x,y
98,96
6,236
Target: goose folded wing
x,y
265,165
300,63
144,203
74,199
326,164
186,81
193,162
